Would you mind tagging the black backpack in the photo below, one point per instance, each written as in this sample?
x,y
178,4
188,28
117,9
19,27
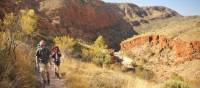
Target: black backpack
x,y
43,55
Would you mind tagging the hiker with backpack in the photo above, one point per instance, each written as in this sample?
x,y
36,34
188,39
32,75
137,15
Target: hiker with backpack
x,y
56,54
43,57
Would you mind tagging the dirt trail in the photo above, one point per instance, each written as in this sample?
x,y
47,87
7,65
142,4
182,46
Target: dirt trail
x,y
55,82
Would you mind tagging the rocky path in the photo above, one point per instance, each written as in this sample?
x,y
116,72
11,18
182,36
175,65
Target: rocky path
x,y
55,82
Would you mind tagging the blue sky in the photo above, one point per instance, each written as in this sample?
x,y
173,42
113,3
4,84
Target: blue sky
x,y
184,7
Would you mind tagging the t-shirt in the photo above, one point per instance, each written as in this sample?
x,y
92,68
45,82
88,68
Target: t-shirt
x,y
43,55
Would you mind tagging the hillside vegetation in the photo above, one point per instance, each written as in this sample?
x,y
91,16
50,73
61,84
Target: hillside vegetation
x,y
16,55
184,28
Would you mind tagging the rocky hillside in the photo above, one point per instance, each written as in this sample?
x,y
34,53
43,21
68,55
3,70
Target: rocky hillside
x,y
87,19
166,46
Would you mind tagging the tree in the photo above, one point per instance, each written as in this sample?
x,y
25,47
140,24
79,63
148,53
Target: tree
x,y
66,44
97,53
100,43
28,21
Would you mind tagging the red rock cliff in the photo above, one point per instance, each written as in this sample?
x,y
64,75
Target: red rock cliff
x,y
184,50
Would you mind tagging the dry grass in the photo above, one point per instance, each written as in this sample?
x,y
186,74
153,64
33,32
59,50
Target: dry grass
x,y
176,27
87,75
16,66
190,71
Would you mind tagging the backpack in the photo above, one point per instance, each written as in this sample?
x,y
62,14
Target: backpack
x,y
43,55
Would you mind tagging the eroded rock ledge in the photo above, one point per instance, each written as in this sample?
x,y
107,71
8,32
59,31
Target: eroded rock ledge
x,y
184,50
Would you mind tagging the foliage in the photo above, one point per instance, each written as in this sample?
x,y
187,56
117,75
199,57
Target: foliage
x,y
16,69
66,44
28,21
97,52
174,84
175,76
83,1
100,43
175,81
24,22
16,57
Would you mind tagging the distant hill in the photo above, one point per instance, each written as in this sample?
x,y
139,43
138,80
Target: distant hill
x,y
185,28
87,19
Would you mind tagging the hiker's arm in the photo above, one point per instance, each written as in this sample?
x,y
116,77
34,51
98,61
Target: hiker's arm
x,y
59,54
50,58
51,61
36,59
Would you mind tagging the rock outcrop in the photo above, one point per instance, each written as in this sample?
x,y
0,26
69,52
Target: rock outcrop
x,y
184,50
162,55
159,12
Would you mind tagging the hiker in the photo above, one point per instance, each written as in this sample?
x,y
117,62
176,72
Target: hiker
x,y
43,55
56,54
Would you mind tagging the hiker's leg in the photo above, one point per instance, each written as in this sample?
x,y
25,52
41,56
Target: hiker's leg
x,y
48,73
36,63
48,77
59,71
56,68
42,71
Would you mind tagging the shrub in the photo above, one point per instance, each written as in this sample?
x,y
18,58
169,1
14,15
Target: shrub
x,y
16,57
83,1
97,52
28,21
16,65
174,84
24,22
66,44
175,76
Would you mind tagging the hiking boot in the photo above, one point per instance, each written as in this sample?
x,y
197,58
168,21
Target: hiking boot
x,y
57,74
48,82
44,81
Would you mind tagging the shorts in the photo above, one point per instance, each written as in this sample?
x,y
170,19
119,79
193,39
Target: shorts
x,y
44,67
57,63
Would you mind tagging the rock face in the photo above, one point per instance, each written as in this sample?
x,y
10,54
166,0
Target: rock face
x,y
83,20
163,56
159,12
87,19
184,51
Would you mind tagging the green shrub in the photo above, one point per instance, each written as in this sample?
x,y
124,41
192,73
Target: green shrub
x,y
175,76
66,44
174,84
83,1
28,21
97,52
